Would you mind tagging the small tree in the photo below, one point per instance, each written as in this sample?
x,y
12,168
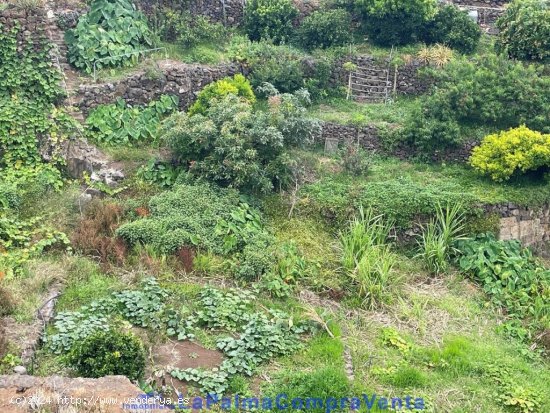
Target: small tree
x,y
323,29
524,30
395,22
454,28
269,19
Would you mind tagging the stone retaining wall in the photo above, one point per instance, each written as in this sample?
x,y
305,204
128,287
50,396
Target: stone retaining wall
x,y
182,80
481,3
368,137
33,23
530,226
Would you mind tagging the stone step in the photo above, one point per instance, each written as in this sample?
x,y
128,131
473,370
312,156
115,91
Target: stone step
x,y
369,88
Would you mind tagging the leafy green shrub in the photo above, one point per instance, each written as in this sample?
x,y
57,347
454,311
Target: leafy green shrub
x,y
238,85
109,353
188,30
401,200
355,160
524,32
279,65
121,124
395,22
489,92
322,29
269,19
507,153
285,67
439,236
367,257
187,215
511,277
454,28
112,31
235,146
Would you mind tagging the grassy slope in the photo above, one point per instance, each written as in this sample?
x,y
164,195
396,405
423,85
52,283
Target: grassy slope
x,y
452,336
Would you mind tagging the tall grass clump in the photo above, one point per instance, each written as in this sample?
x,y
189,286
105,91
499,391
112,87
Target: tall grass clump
x,y
367,257
438,237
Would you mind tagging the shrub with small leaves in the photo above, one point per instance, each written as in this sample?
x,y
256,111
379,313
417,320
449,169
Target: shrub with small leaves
x,y
453,28
325,28
269,19
511,152
108,353
524,30
237,85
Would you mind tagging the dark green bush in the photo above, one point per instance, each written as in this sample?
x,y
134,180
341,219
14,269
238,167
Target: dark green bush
x,y
286,68
322,29
187,30
269,19
108,353
236,146
282,66
395,22
110,31
524,30
490,92
454,28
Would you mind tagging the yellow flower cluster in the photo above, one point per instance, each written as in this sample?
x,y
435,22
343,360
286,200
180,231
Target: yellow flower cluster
x,y
503,154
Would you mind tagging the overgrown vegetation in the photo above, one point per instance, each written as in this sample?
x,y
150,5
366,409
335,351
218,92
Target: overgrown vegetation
x,y
485,93
513,279
111,34
237,146
312,273
119,124
524,30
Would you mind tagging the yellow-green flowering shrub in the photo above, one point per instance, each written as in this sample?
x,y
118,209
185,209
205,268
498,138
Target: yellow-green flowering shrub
x,y
503,154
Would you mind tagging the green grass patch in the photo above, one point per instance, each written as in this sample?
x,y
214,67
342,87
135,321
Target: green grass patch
x,y
348,112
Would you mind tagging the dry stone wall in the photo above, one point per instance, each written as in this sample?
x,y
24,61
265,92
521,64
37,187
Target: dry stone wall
x,y
530,226
368,137
33,23
182,80
481,3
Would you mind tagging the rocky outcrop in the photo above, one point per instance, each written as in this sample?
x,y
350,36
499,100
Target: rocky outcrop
x,y
81,157
111,394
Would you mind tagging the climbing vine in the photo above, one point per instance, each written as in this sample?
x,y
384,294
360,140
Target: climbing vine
x,y
29,90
